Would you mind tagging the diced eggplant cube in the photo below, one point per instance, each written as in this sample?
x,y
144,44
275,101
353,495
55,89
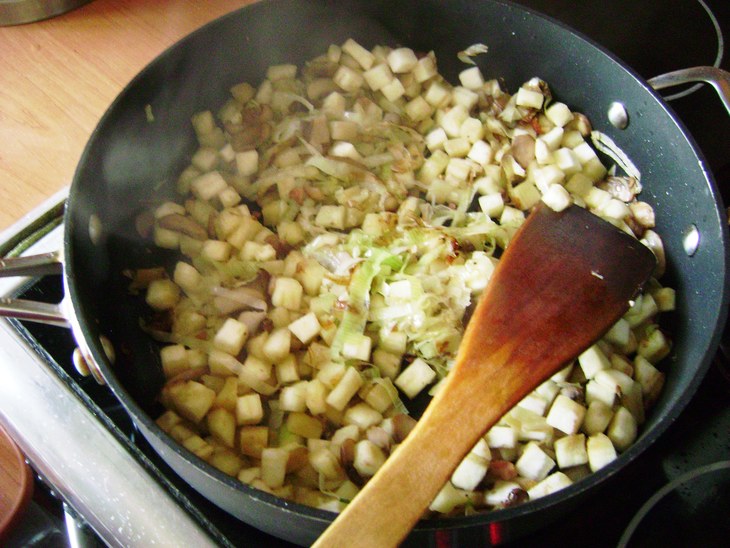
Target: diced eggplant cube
x,y
534,463
415,377
551,484
600,451
571,451
566,415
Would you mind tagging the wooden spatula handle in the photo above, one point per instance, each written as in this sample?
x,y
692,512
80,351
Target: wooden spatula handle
x,y
563,281
387,508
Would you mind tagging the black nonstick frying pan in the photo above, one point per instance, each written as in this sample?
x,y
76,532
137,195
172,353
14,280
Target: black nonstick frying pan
x,y
131,162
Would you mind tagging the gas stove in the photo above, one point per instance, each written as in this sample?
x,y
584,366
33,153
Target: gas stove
x,y
100,483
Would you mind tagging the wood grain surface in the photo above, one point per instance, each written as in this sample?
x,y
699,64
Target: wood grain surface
x,y
16,484
57,77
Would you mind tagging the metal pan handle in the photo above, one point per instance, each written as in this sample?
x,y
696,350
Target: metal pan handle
x,y
716,77
34,266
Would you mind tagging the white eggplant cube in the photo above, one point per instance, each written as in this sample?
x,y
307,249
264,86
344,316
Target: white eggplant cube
x,y
425,69
331,216
458,147
464,97
566,415
447,499
418,109
436,138
501,437
387,363
306,328
162,294
501,493
378,76
451,121
415,377
559,114
623,429
557,198
402,60
357,347
619,334
470,472
348,79
615,380
207,186
529,98
363,416
548,176
345,389
534,463
571,451
187,277
231,336
364,57
293,398
596,391
277,345
472,129
593,360
216,250
392,341
174,360
247,162
249,409
492,204
393,90
471,78
600,451
368,458
273,466
287,293
551,484
597,417
480,152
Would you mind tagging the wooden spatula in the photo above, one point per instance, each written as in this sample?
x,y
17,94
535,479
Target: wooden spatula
x,y
563,281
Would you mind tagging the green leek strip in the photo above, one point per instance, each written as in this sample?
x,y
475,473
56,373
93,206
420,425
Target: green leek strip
x,y
334,168
322,486
355,317
393,394
380,255
240,270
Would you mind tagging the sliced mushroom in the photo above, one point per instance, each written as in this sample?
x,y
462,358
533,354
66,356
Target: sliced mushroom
x,y
379,437
515,497
523,149
581,123
402,425
654,242
643,213
347,460
573,391
623,188
317,132
184,225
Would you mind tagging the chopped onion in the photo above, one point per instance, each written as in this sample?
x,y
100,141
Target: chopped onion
x,y
231,300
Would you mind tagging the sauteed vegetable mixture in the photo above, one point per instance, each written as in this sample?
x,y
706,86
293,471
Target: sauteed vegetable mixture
x,y
336,224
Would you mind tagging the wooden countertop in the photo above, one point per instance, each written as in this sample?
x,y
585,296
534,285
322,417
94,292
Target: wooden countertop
x,y
57,77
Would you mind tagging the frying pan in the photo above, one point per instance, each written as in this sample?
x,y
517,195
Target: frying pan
x,y
131,161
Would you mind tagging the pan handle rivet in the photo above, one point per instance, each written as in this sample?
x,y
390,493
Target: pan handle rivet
x,y
618,116
691,240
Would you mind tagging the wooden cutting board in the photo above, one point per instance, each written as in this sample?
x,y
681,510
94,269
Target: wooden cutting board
x,y
16,484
